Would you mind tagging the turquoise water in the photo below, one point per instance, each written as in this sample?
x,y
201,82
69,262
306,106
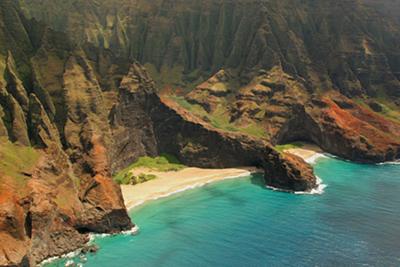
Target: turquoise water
x,y
355,222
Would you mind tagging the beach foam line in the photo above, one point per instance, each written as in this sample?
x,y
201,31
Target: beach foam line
x,y
68,255
75,253
397,162
313,159
319,190
189,187
134,230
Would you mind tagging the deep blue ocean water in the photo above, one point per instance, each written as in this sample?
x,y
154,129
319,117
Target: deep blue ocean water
x,y
355,222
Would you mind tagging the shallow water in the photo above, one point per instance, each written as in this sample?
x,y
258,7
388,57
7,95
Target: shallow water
x,y
355,222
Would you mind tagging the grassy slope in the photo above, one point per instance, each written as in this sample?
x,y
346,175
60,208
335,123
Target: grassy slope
x,y
284,147
219,118
16,159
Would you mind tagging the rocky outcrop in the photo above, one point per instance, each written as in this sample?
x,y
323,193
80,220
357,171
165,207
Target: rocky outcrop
x,y
210,93
288,112
288,172
13,118
197,144
132,127
344,128
173,130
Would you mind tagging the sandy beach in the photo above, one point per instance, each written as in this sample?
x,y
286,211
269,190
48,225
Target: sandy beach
x,y
171,182
168,183
307,152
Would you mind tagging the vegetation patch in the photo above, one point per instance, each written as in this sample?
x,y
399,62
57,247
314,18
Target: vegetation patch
x,y
181,101
255,129
165,76
219,118
284,147
129,178
162,163
17,161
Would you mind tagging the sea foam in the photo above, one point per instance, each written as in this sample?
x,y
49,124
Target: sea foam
x,y
397,162
320,189
69,255
313,159
73,254
315,191
134,230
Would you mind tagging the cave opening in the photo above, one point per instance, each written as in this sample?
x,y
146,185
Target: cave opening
x,y
83,230
28,224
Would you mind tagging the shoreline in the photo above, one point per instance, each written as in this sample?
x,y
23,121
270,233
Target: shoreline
x,y
308,152
169,183
173,182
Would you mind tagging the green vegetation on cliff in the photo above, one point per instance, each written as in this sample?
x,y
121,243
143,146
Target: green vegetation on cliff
x,y
129,178
220,118
284,147
16,161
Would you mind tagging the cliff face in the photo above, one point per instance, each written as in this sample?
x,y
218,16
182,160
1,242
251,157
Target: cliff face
x,y
132,127
252,64
55,173
343,128
171,129
64,130
285,110
345,45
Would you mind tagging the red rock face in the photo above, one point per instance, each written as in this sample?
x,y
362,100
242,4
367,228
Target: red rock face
x,y
12,217
344,128
373,134
51,214
354,132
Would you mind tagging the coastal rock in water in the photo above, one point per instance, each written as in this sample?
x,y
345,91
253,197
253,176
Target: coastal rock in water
x,y
90,249
288,172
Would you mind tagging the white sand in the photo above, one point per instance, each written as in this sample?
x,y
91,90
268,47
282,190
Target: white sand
x,y
168,183
306,152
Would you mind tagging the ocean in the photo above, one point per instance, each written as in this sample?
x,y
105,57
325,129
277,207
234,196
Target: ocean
x,y
355,221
